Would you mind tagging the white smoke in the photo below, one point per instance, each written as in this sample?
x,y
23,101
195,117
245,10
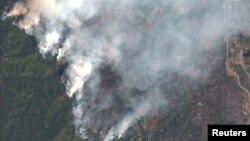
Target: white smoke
x,y
142,40
149,105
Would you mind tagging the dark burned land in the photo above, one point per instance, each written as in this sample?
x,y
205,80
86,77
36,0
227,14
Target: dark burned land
x,y
34,107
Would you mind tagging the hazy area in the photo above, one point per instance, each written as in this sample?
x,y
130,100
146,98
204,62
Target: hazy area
x,y
119,70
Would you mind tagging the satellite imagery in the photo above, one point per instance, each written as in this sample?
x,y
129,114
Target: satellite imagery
x,y
123,70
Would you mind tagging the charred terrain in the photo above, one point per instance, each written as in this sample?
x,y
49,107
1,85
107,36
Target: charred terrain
x,y
34,106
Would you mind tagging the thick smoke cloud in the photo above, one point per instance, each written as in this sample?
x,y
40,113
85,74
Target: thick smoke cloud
x,y
120,52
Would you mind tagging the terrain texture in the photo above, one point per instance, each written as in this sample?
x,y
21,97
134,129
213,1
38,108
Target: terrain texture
x,y
34,107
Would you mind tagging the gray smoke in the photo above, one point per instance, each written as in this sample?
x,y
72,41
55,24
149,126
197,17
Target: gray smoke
x,y
121,51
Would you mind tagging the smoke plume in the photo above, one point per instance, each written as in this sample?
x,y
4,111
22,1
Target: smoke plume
x,y
122,54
